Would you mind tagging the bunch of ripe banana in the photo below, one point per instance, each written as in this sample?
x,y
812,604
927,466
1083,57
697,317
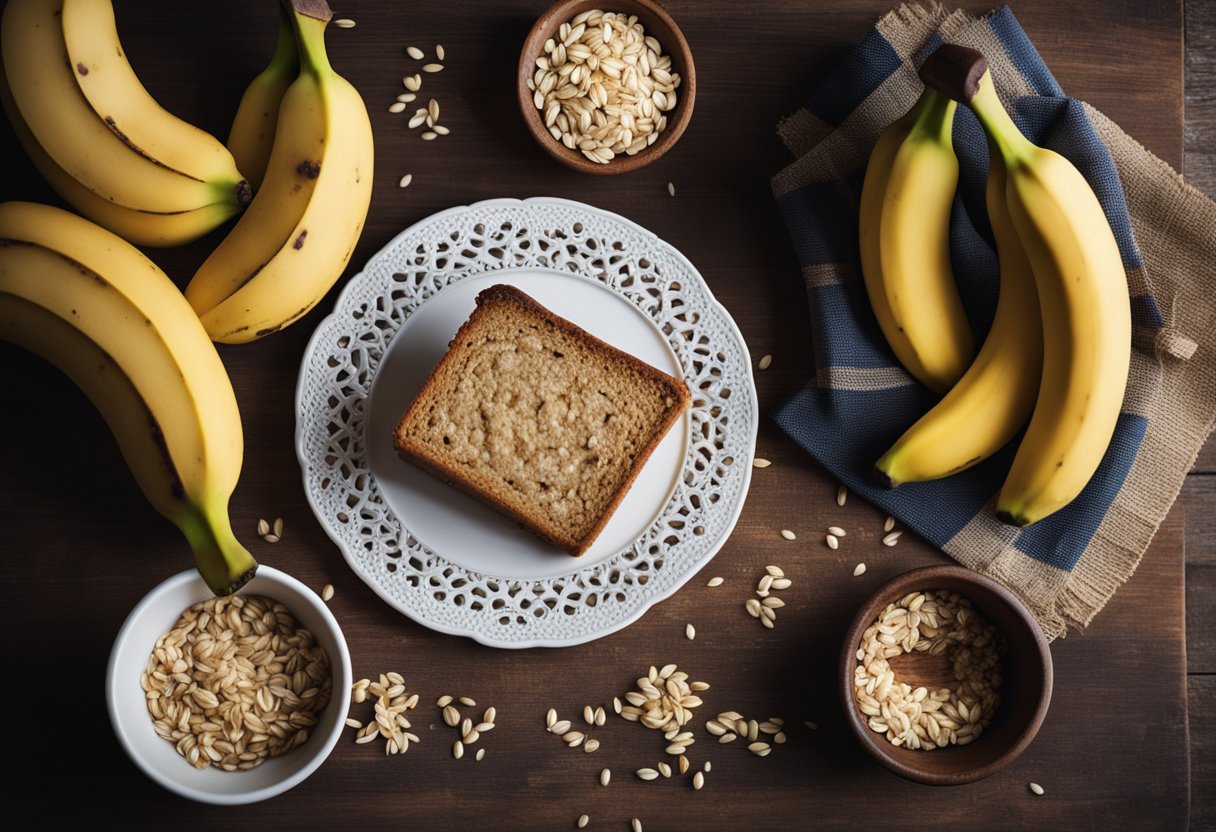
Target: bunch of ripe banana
x,y
1059,349
93,305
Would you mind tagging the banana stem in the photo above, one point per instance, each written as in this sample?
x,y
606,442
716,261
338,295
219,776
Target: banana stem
x,y
223,562
962,74
285,48
933,116
309,30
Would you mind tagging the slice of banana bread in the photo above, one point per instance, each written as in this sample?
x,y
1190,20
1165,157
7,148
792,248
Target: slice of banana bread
x,y
538,418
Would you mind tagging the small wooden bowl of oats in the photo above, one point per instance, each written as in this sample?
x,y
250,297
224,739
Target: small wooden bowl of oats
x,y
945,677
606,88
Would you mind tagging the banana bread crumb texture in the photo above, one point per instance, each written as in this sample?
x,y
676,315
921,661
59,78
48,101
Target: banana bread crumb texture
x,y
540,419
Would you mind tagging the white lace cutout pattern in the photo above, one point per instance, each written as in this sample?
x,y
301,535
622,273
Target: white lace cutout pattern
x,y
462,243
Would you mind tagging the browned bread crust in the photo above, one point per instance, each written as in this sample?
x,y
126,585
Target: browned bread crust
x,y
518,408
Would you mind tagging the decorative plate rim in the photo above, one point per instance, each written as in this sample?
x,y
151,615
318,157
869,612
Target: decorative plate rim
x,y
648,600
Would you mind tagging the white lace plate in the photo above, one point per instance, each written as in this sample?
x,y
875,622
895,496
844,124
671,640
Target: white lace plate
x,y
444,559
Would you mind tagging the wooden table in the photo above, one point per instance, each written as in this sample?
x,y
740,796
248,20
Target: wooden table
x,y
81,546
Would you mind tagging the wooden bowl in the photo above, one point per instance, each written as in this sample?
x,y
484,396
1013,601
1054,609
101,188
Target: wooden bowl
x,y
1024,695
657,22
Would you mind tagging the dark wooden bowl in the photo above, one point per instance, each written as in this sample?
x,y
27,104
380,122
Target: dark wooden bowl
x,y
658,23
1025,691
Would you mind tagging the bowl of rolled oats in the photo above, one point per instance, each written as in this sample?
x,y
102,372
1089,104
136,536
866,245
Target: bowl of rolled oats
x,y
945,676
229,700
606,89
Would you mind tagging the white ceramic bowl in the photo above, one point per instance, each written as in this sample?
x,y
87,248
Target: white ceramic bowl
x,y
154,616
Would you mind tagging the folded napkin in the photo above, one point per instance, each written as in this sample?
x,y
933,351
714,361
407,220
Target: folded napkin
x,y
1066,567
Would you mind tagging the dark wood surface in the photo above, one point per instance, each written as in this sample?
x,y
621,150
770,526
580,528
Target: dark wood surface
x,y
81,546
1199,494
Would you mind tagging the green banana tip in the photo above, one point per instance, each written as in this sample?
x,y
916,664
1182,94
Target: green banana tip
x,y
884,479
236,584
1009,518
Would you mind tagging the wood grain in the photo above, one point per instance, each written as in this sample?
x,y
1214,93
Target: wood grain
x,y
82,546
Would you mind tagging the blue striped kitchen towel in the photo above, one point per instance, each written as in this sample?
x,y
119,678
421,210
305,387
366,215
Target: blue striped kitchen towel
x,y
1067,566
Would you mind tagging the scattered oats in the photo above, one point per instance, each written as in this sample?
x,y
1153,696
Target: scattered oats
x,y
432,108
892,538
441,130
859,569
782,583
772,602
591,745
683,764
489,716
444,701
263,528
583,820
271,538
562,726
344,23
708,765
766,583
665,769
616,704
397,107
413,83
698,781
690,632
601,717
760,462
766,361
429,136
414,52
788,535
458,749
636,824
588,715
605,776
406,180
753,607
775,571
888,524
353,723
550,718
836,530
327,592
480,755
811,725
760,749
671,189
278,527
432,67
417,119
451,716
767,621
832,541
440,52
1036,788
842,494
714,581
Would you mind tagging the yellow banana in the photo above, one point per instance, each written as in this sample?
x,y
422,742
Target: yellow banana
x,y
118,326
996,395
92,147
252,134
1086,311
144,228
300,231
904,237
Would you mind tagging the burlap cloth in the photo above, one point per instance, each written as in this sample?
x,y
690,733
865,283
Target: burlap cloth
x,y
1068,567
